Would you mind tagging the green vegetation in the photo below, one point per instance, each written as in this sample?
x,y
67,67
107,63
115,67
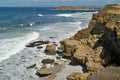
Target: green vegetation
x,y
84,33
115,18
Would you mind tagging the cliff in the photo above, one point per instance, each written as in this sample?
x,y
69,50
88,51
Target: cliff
x,y
74,8
97,46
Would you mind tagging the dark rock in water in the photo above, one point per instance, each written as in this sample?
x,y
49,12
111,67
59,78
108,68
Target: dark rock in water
x,y
50,49
44,72
30,45
37,43
32,66
52,37
45,42
39,47
47,61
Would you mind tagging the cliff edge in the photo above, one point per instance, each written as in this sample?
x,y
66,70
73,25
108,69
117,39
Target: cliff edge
x,y
97,46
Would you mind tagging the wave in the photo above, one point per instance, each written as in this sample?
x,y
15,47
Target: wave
x,y
75,14
64,15
39,15
12,46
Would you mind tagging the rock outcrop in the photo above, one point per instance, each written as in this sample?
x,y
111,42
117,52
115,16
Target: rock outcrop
x,y
98,45
75,8
50,49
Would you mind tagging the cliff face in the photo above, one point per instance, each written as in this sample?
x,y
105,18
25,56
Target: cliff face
x,y
98,45
74,8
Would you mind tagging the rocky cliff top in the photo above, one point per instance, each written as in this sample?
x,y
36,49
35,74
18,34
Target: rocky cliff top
x,y
74,8
112,8
97,46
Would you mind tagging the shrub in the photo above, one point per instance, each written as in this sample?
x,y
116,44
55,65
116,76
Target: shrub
x,y
110,73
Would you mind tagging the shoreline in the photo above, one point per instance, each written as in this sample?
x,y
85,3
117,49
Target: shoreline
x,y
29,56
64,69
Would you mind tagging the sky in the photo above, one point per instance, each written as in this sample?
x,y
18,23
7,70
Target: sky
x,y
52,3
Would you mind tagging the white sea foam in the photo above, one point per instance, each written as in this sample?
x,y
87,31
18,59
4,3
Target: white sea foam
x,y
12,46
40,15
63,15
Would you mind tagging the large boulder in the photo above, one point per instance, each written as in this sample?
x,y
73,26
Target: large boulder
x,y
69,47
78,76
50,49
44,72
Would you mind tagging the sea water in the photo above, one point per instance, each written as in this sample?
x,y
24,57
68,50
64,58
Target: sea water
x,y
19,26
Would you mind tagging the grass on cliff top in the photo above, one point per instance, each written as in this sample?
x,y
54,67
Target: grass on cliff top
x,y
84,33
115,18
110,73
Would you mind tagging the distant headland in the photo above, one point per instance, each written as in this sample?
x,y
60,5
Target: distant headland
x,y
76,8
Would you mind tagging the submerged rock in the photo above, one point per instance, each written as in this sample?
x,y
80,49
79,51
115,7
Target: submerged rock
x,y
47,61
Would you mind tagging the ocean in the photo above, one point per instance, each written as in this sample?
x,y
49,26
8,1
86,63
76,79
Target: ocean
x,y
19,26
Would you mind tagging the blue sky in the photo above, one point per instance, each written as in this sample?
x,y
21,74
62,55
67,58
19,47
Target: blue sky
x,y
39,3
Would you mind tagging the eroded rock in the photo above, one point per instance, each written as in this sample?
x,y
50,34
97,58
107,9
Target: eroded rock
x,y
50,49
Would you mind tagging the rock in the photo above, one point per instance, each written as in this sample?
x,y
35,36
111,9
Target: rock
x,y
50,49
74,8
94,67
30,45
69,46
32,66
52,37
39,47
47,61
78,76
44,72
37,43
83,54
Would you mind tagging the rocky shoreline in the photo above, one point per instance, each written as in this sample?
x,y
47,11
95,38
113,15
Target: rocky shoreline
x,y
97,46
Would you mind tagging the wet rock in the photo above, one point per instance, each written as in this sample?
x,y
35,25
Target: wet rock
x,y
32,66
37,43
50,49
44,72
48,61
52,37
39,47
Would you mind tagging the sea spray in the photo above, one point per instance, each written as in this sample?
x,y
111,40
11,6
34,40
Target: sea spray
x,y
12,46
